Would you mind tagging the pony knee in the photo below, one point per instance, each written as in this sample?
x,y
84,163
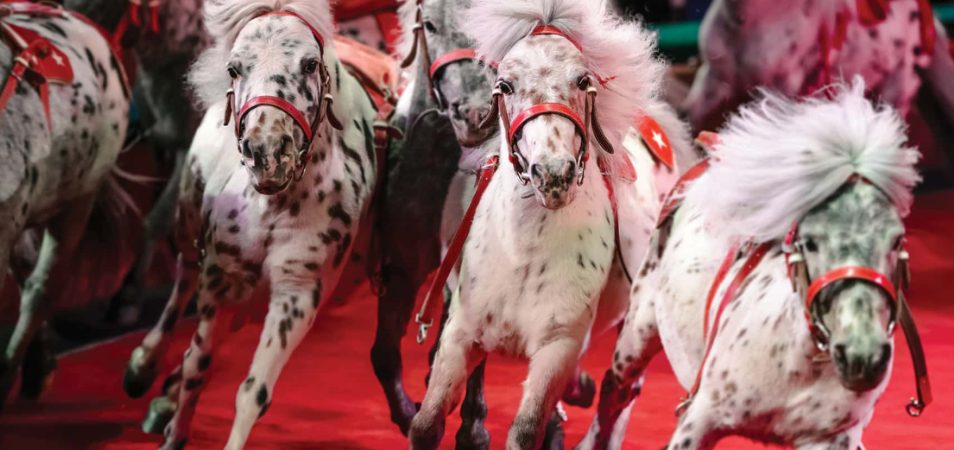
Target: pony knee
x,y
526,431
426,431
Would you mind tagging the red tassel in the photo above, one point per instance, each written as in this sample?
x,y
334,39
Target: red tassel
x,y
928,33
134,12
154,17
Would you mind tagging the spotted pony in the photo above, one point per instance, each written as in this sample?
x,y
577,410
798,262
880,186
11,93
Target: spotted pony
x,y
894,44
62,124
840,171
542,246
302,127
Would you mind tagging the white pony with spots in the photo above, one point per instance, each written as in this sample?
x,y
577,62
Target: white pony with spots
x,y
302,127
542,246
836,177
56,152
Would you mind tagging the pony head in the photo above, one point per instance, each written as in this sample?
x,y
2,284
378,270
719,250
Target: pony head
x,y
270,58
833,178
460,84
557,61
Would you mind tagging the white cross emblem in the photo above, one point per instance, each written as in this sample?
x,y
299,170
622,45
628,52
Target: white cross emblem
x,y
658,139
57,59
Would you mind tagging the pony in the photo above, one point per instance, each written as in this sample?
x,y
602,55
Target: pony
x,y
302,127
166,107
896,46
795,188
441,112
542,249
63,115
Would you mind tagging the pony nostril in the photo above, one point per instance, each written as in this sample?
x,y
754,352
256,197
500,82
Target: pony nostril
x,y
246,149
455,108
838,353
569,170
881,359
536,173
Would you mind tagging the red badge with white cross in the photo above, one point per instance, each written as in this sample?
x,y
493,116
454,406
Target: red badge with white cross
x,y
656,140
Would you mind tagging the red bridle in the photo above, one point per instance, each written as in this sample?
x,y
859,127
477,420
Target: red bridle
x,y
309,128
801,281
434,67
513,128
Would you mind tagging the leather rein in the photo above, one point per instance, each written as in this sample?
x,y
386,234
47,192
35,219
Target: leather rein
x,y
431,306
893,286
309,128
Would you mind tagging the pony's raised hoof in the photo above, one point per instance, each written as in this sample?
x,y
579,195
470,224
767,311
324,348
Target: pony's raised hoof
x,y
136,382
581,392
160,413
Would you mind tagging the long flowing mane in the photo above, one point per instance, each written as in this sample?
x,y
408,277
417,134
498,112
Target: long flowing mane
x,y
224,19
615,50
779,158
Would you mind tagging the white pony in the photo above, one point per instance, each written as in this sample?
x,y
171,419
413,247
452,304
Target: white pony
x,y
286,220
834,176
542,246
62,124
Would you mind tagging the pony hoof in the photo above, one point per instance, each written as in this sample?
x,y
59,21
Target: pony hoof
x,y
137,382
582,393
159,415
37,381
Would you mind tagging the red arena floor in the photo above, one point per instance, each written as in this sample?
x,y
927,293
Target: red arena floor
x,y
328,397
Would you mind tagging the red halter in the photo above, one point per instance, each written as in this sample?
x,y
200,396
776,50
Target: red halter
x,y
513,128
308,128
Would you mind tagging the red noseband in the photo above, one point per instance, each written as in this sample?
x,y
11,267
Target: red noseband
x,y
451,57
279,103
860,273
541,109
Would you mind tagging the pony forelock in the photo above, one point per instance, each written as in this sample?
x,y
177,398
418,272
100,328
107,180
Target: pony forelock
x,y
224,19
779,158
619,52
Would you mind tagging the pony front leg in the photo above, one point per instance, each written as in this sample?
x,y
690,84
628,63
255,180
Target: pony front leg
x,y
551,367
60,239
636,345
291,313
472,434
456,357
195,362
142,368
695,428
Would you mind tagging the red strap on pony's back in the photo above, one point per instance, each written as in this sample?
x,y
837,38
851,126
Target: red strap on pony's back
x,y
674,199
755,257
429,310
545,108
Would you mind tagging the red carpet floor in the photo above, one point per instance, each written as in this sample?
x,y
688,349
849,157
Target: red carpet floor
x,y
328,397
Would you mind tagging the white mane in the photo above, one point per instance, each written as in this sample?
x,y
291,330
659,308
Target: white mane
x,y
621,52
224,19
779,158
407,13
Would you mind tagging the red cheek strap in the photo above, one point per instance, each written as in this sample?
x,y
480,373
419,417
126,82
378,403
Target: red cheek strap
x,y
279,103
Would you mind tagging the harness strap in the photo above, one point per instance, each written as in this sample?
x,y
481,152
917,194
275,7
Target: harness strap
x,y
674,199
612,198
755,257
924,397
432,306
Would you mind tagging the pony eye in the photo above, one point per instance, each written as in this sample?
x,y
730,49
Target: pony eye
x,y
310,66
505,87
233,72
429,26
583,82
810,245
